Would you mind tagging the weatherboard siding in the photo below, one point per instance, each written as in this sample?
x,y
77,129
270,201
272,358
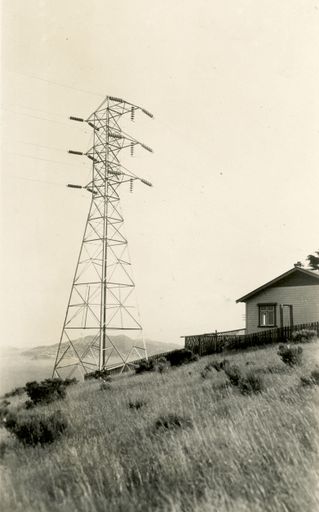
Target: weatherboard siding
x,y
304,299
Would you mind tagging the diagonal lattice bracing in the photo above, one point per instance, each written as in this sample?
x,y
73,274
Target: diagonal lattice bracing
x,y
102,309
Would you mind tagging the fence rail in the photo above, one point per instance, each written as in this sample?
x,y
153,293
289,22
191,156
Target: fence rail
x,y
205,344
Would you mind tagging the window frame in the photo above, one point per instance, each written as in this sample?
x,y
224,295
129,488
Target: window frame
x,y
267,304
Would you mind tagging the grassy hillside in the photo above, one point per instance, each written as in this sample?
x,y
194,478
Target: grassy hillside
x,y
36,363
233,452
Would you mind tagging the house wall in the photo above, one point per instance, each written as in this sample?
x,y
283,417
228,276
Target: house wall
x,y
304,299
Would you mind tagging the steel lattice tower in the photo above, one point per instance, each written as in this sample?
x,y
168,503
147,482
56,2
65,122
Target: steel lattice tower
x,y
101,304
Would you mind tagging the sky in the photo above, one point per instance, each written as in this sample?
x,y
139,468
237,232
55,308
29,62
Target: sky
x,y
233,87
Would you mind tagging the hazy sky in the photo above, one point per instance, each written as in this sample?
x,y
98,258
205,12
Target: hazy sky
x,y
233,86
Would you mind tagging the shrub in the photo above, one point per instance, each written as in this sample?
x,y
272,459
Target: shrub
x,y
29,404
303,336
205,372
312,379
207,369
212,365
46,391
315,375
70,382
36,429
292,356
161,364
105,386
145,365
137,404
98,374
172,422
219,365
252,382
277,369
4,409
234,374
215,365
306,381
180,357
15,392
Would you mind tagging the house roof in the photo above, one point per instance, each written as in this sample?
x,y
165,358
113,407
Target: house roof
x,y
276,280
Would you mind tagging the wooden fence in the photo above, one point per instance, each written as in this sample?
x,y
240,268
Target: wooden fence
x,y
205,344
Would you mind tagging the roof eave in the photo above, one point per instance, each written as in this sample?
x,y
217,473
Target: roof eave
x,y
273,281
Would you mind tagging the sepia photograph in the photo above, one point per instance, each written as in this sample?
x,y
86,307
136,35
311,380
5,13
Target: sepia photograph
x,y
159,346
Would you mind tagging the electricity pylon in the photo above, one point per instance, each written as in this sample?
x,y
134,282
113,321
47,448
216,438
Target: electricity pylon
x,y
101,307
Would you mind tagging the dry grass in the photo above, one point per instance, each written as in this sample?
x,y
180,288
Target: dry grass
x,y
238,453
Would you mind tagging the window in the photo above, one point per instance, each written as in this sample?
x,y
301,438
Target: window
x,y
267,315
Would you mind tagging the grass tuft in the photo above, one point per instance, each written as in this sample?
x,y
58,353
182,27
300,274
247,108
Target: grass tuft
x,y
252,382
136,404
172,422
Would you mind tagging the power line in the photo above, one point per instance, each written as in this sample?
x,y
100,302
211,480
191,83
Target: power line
x,y
39,181
35,110
56,83
45,159
41,146
34,117
43,118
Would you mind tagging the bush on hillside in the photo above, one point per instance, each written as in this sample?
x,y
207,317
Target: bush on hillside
x,y
98,374
291,356
312,379
275,369
70,382
161,364
234,374
172,422
4,409
105,386
306,381
46,391
315,376
250,383
137,404
15,392
303,336
36,429
145,365
215,365
207,370
180,357
29,404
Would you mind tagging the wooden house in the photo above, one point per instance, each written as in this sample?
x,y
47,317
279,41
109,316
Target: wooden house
x,y
289,299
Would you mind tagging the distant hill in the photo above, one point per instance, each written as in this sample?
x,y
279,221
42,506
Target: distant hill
x,y
9,351
123,343
18,366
